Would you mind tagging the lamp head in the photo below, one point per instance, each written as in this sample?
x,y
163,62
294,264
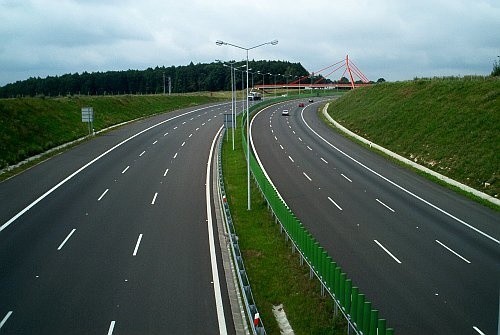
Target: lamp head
x,y
219,42
274,42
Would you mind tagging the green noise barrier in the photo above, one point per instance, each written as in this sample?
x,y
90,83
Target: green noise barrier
x,y
361,317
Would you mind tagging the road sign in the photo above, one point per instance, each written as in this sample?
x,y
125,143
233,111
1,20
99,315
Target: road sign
x,y
87,114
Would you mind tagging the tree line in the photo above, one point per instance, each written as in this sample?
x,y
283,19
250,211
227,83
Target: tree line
x,y
181,79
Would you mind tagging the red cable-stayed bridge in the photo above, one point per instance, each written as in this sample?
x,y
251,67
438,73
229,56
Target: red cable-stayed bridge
x,y
355,78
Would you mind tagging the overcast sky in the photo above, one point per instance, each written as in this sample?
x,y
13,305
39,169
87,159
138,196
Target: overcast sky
x,y
393,39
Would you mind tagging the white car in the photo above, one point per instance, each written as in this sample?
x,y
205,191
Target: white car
x,y
285,112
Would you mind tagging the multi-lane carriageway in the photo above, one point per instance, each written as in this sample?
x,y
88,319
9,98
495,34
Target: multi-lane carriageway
x,y
114,235
111,237
427,258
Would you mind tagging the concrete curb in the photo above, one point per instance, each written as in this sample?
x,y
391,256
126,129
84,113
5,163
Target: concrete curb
x,y
447,180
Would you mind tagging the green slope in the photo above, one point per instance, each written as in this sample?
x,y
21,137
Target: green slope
x,y
451,126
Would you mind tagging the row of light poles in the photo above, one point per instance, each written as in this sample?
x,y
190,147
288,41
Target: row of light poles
x,y
220,43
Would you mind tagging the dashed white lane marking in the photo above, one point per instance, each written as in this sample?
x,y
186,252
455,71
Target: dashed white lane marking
x,y
275,138
175,127
203,124
478,330
291,159
404,189
155,142
175,156
66,240
154,198
389,208
453,252
387,251
111,327
183,143
4,320
293,131
333,202
343,175
300,139
308,147
165,134
137,245
125,170
197,129
190,135
191,119
103,194
166,171
55,187
282,147
305,174
324,160
184,122
142,153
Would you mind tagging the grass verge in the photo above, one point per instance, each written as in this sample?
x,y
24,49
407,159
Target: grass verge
x,y
275,274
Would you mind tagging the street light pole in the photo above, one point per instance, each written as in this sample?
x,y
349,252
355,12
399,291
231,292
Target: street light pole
x,y
219,42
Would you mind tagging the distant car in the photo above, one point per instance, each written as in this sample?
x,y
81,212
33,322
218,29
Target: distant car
x,y
301,104
311,100
285,112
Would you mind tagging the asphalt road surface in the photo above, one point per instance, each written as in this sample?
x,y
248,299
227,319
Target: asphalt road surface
x,y
112,236
427,258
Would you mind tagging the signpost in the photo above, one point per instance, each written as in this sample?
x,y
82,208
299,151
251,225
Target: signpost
x,y
88,116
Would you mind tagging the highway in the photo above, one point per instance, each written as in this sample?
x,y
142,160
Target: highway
x,y
427,258
114,236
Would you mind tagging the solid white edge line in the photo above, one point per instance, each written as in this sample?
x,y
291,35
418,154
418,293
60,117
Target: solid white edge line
x,y
478,330
333,202
387,251
66,239
125,170
137,245
389,208
154,198
213,258
453,252
111,327
404,189
4,320
43,196
103,194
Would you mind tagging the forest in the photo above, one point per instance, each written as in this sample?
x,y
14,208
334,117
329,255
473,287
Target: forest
x,y
180,79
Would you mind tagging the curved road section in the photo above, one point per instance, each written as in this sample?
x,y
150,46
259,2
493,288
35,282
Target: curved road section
x,y
427,258
115,236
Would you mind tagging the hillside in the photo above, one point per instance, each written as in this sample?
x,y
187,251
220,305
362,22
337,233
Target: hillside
x,y
451,126
33,125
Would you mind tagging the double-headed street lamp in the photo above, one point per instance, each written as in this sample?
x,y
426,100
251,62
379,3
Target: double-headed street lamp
x,y
219,42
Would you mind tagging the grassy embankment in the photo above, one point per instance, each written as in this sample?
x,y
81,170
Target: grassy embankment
x,y
451,126
30,126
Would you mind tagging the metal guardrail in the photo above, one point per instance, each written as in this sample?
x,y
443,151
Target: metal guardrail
x,y
361,318
252,313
